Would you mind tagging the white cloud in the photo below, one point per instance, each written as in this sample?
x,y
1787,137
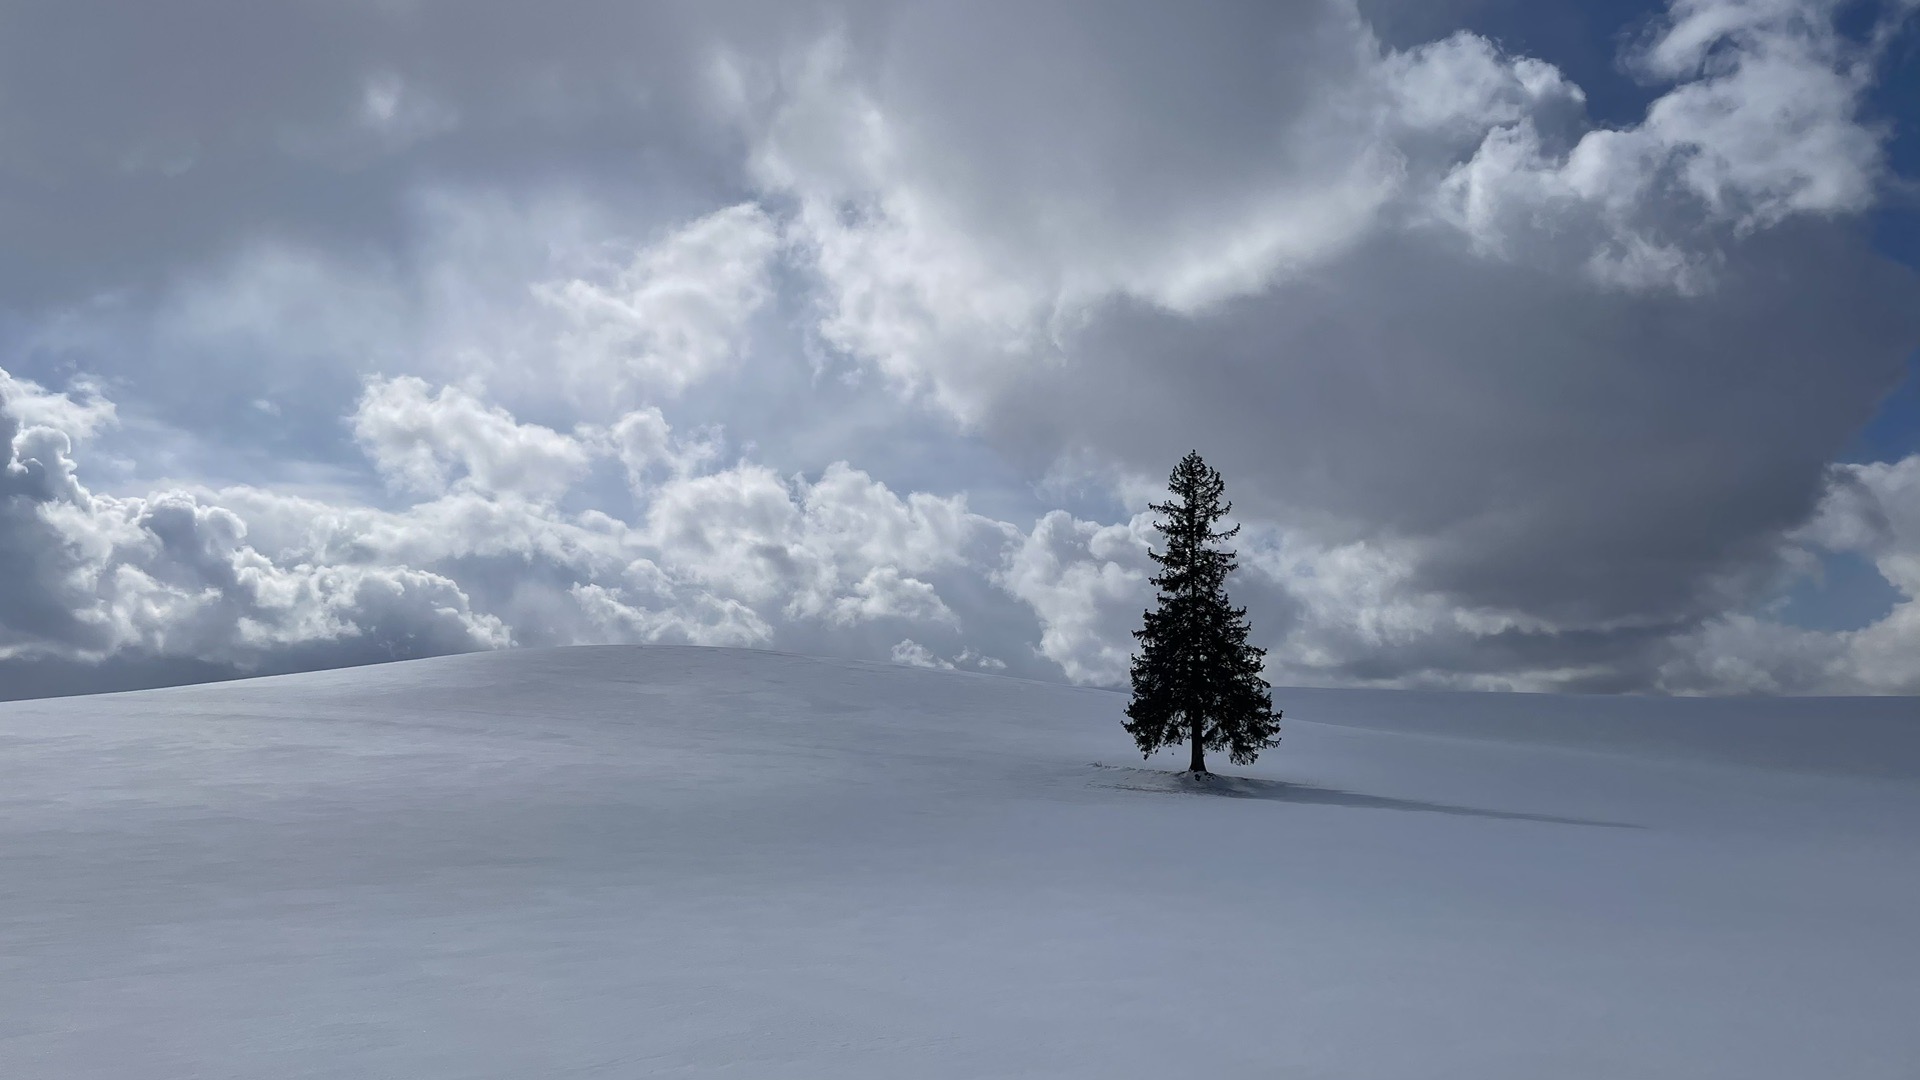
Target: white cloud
x,y
77,414
843,547
168,575
676,313
884,593
645,445
943,301
1462,85
970,658
914,654
1761,125
245,577
1087,584
428,442
1871,511
1765,125
242,575
703,619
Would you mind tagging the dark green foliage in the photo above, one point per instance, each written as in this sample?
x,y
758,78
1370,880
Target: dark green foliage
x,y
1196,680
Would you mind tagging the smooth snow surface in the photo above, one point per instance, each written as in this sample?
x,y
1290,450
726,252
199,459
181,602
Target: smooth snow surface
x,y
704,863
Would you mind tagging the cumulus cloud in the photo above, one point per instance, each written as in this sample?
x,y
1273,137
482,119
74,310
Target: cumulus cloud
x,y
428,442
882,593
677,312
841,547
1087,583
1872,511
913,654
646,446
663,616
167,575
250,580
1762,124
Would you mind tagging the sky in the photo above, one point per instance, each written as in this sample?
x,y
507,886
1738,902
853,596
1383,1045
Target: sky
x,y
1543,345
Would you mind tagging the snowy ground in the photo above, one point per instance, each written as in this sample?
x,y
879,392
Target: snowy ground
x,y
693,862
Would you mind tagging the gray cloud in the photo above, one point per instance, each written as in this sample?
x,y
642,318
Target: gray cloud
x,y
1587,456
147,136
1586,379
1872,511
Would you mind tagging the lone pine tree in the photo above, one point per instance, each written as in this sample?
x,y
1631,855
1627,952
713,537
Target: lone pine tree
x,y
1196,680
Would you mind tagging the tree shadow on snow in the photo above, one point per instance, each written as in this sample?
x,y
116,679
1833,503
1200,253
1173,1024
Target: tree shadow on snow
x,y
1129,778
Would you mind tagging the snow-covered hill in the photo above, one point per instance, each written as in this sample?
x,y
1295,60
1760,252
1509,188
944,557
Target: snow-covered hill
x,y
696,862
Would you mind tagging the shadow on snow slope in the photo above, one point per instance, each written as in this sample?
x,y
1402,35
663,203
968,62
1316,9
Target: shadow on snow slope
x,y
1253,787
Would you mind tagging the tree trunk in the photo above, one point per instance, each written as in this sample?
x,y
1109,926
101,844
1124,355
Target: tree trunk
x,y
1199,762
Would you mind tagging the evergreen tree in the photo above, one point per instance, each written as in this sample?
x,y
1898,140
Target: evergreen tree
x,y
1196,680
